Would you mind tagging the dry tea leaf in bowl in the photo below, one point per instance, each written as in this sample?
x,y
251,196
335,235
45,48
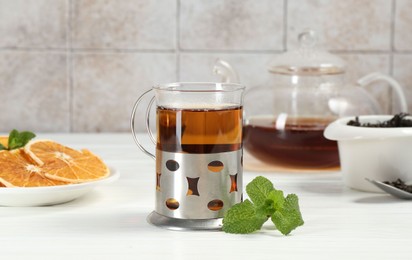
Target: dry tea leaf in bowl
x,y
398,120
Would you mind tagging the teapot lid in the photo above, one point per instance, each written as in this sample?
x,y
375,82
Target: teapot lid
x,y
307,60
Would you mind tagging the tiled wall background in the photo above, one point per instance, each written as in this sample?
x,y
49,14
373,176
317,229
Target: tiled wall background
x,y
79,65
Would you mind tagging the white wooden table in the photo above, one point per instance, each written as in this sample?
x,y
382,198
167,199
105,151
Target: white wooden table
x,y
110,222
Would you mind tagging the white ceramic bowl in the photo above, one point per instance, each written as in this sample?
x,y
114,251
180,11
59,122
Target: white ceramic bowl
x,y
376,153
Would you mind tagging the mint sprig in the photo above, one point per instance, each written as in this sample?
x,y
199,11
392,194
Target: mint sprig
x,y
266,202
243,218
17,139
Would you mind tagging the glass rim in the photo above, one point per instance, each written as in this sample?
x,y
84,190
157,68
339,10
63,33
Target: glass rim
x,y
199,87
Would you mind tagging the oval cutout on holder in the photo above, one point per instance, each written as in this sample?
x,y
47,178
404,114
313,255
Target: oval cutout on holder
x,y
172,204
215,166
215,205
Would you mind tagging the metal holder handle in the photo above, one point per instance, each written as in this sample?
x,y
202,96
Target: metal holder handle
x,y
149,131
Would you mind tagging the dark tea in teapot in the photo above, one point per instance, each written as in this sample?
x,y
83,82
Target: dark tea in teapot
x,y
297,142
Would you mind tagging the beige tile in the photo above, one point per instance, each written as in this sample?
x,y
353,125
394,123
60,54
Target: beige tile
x,y
127,24
107,85
403,25
251,68
359,65
231,25
402,71
39,24
342,25
34,92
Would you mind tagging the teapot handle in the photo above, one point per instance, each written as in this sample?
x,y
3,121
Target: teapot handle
x,y
227,73
374,76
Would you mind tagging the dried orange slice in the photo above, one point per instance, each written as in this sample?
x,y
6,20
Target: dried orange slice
x,y
62,163
4,140
17,170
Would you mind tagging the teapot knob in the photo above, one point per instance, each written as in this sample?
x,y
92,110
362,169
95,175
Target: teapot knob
x,y
307,38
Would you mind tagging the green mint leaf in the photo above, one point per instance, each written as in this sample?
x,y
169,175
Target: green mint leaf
x,y
267,202
277,197
19,139
2,147
258,190
267,209
242,218
273,202
26,136
288,217
13,139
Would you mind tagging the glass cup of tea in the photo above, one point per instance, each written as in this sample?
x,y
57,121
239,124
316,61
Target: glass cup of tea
x,y
198,152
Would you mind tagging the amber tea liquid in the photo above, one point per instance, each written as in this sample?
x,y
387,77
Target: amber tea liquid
x,y
199,130
299,144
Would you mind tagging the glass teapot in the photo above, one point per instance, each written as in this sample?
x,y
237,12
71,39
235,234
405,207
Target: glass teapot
x,y
285,118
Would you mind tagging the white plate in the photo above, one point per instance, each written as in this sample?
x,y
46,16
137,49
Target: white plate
x,y
50,195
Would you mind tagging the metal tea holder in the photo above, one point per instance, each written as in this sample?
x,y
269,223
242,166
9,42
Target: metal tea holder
x,y
192,190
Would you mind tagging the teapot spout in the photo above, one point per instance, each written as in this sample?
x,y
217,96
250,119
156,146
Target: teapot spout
x,y
225,71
